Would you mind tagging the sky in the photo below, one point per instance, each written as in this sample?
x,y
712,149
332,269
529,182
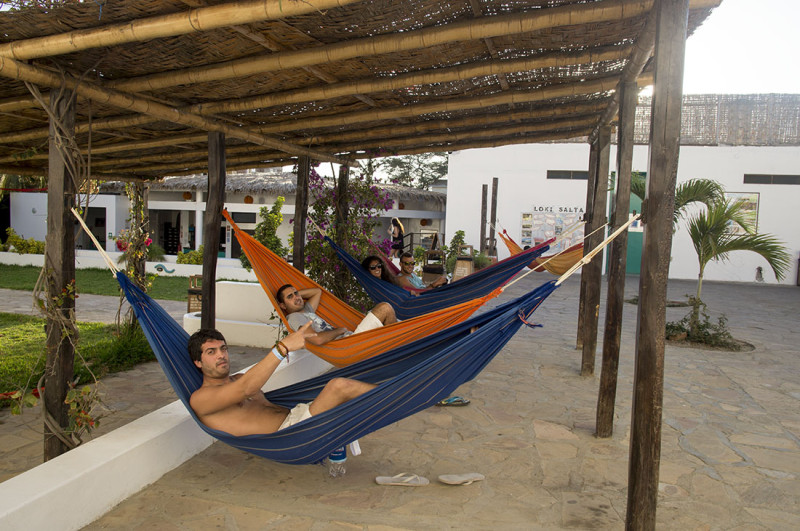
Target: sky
x,y
745,47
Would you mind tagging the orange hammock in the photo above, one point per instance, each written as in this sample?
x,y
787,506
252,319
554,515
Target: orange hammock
x,y
555,264
273,272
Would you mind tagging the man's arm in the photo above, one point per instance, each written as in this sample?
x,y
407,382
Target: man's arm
x,y
210,399
312,296
325,337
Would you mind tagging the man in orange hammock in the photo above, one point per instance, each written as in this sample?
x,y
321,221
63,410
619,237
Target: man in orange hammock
x,y
301,306
236,405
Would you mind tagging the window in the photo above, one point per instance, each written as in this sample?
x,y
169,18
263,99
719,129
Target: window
x,y
757,178
568,174
244,217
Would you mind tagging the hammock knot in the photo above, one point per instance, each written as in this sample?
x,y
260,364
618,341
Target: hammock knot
x,y
522,318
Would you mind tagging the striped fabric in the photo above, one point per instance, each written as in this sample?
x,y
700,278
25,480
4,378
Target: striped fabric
x,y
273,272
407,306
410,378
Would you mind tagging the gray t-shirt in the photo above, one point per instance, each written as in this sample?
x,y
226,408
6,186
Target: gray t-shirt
x,y
298,319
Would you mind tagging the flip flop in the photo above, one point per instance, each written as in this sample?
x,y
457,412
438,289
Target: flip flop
x,y
402,480
453,401
461,479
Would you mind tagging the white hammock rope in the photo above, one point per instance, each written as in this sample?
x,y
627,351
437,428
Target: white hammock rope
x,y
588,258
108,260
580,223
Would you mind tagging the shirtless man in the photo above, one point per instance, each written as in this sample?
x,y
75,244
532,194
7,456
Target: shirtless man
x,y
235,403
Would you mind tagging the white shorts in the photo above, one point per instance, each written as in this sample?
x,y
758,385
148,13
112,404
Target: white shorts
x,y
298,413
369,322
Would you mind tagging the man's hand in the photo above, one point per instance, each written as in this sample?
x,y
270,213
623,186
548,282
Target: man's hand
x,y
297,340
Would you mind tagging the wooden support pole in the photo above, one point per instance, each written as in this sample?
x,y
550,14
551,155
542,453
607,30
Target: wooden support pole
x,y
60,272
212,221
592,272
615,298
587,216
648,384
484,221
342,213
492,250
301,213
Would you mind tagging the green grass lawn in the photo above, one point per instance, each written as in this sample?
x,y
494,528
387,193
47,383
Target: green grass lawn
x,y
22,350
93,281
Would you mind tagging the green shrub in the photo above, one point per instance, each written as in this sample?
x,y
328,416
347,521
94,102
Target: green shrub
x,y
22,246
706,333
192,257
127,349
481,260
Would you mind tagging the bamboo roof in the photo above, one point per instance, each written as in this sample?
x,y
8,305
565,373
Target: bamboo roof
x,y
334,80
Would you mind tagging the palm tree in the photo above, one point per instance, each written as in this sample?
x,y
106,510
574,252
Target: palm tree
x,y
713,240
703,191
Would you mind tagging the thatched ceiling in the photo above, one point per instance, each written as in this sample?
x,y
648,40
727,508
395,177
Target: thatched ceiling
x,y
332,79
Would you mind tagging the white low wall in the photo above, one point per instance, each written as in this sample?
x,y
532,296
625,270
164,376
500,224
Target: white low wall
x,y
227,268
78,487
244,315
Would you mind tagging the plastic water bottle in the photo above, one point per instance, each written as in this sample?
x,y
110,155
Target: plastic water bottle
x,y
336,462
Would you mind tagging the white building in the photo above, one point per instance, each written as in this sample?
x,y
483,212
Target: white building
x,y
542,187
177,204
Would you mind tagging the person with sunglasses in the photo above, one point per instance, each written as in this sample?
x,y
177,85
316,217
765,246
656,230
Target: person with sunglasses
x,y
377,268
408,279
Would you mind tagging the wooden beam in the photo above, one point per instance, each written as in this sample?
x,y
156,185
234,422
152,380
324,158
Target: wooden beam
x,y
301,213
342,207
185,22
19,71
592,272
486,27
591,183
648,384
562,90
60,274
484,210
615,298
492,248
212,220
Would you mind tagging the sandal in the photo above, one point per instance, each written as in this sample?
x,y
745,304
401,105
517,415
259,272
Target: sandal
x,y
453,401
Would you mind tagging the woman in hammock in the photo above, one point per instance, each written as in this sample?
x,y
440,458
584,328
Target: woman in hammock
x,y
378,269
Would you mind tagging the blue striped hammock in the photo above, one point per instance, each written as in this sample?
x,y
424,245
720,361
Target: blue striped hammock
x,y
406,305
409,378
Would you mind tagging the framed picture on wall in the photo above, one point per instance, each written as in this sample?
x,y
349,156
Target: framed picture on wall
x,y
750,202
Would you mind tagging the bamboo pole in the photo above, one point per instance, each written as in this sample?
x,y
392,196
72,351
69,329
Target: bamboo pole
x,y
563,90
425,77
19,71
497,26
192,21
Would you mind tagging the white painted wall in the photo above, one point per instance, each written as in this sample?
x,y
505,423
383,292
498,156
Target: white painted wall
x,y
522,172
31,212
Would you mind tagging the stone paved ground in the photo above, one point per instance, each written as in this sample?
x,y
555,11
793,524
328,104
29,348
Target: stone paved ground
x,y
730,448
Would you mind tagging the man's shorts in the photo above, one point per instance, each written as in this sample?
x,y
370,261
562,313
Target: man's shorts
x,y
298,413
369,322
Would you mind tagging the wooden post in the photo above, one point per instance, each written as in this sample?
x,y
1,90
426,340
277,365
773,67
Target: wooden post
x,y
648,384
593,271
587,215
342,213
212,221
492,242
301,213
484,221
615,298
60,271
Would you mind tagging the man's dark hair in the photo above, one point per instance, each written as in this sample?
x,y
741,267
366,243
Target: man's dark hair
x,y
197,339
406,255
279,293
